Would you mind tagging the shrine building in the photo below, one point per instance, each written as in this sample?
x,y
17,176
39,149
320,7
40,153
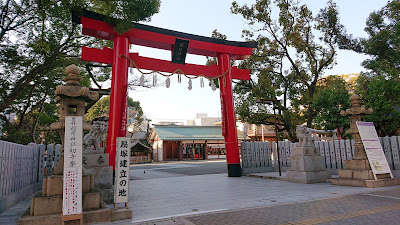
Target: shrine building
x,y
172,142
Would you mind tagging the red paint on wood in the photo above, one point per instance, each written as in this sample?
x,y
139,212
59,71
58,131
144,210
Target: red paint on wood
x,y
105,56
102,30
229,117
118,98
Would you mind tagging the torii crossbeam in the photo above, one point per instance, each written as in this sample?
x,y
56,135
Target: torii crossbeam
x,y
93,24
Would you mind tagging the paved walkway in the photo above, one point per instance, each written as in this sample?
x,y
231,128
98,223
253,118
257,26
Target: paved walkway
x,y
12,215
375,208
218,199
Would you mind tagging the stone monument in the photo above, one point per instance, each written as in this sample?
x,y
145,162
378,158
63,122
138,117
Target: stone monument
x,y
307,164
358,172
46,206
95,160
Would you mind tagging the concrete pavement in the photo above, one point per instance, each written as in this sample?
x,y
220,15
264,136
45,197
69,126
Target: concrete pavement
x,y
374,208
220,197
159,196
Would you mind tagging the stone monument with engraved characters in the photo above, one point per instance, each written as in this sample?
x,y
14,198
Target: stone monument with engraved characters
x,y
46,206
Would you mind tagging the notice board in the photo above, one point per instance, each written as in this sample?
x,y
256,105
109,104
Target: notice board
x,y
373,148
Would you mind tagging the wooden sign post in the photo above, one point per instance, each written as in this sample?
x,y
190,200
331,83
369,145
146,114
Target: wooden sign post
x,y
72,178
373,148
122,166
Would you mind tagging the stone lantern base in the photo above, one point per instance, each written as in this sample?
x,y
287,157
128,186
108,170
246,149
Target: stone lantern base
x,y
100,215
358,173
46,206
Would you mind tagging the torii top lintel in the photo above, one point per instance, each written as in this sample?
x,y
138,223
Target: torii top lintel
x,y
93,24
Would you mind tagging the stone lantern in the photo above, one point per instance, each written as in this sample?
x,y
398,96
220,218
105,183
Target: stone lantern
x,y
356,113
46,205
72,98
358,171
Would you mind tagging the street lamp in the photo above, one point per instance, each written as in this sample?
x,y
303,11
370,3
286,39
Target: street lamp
x,y
272,102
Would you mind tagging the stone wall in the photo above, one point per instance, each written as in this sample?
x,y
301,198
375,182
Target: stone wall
x,y
335,153
21,172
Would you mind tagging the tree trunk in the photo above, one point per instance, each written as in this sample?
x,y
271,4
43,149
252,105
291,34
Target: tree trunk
x,y
33,131
309,116
310,110
21,120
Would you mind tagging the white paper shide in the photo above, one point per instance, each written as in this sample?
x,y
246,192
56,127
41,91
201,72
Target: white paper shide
x,y
72,178
122,170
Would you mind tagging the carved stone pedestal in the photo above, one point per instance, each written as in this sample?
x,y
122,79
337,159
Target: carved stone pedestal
x,y
358,173
99,215
46,206
97,164
307,166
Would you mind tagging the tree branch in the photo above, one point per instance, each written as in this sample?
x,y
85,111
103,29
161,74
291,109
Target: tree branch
x,y
87,66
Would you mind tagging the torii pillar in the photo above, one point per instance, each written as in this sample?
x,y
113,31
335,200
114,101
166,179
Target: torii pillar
x,y
93,24
118,97
229,130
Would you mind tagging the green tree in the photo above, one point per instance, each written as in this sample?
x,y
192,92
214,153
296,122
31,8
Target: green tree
x,y
381,93
383,29
101,108
331,97
135,116
38,40
379,87
33,125
293,52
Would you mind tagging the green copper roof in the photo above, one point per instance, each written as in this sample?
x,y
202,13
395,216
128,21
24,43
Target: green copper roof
x,y
190,132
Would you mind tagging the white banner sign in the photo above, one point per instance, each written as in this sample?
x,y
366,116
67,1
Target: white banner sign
x,y
373,148
72,189
122,164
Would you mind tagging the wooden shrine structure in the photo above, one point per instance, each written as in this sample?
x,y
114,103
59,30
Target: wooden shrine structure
x,y
93,24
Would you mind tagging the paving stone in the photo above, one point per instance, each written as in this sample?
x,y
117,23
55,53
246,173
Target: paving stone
x,y
296,213
218,199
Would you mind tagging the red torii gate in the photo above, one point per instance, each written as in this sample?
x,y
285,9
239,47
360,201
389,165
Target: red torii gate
x,y
93,24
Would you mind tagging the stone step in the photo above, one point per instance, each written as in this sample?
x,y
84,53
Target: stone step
x,y
53,185
307,177
348,182
121,214
357,164
366,183
356,174
382,182
99,215
45,205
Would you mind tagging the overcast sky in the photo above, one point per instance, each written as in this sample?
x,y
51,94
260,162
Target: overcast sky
x,y
177,103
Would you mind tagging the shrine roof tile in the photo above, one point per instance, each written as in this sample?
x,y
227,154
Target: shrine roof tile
x,y
176,133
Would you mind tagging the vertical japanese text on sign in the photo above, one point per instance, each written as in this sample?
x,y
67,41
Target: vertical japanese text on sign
x,y
122,170
72,178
